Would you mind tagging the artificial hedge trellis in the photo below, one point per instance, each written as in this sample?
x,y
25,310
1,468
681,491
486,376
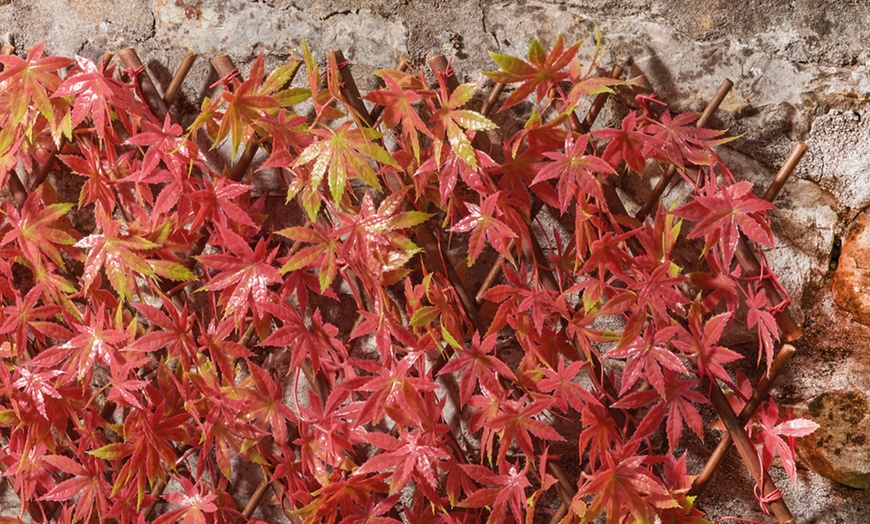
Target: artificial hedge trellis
x,y
144,324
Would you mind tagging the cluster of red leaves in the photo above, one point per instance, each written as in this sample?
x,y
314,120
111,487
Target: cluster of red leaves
x,y
144,327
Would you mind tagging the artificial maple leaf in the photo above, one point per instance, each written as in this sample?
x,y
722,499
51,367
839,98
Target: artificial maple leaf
x,y
482,221
267,403
623,485
214,204
374,511
28,472
28,81
679,482
218,413
515,422
97,95
318,343
343,153
771,435
175,331
648,355
451,122
701,341
448,168
244,106
123,386
478,365
721,211
91,343
507,491
88,482
575,171
125,506
599,430
326,435
221,347
163,143
626,144
565,390
10,151
119,253
539,75
658,290
397,97
343,496
194,504
372,237
678,142
34,229
147,447
415,455
322,254
38,386
393,391
760,318
102,173
24,318
676,403
244,276
718,283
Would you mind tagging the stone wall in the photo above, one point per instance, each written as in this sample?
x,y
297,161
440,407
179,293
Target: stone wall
x,y
800,73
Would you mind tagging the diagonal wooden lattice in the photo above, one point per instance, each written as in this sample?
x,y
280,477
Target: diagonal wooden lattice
x,y
428,239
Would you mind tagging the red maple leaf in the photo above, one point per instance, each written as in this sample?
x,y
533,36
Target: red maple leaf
x,y
647,356
565,390
398,97
760,318
623,484
452,122
318,343
575,171
174,329
676,403
343,496
244,275
721,211
482,221
25,318
92,343
120,252
507,491
415,455
678,142
28,81
478,365
267,403
516,422
214,205
35,230
244,106
38,386
88,482
771,437
626,144
701,342
96,95
194,504
539,75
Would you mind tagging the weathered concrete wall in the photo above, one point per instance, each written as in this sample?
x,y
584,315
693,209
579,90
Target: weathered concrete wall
x,y
800,73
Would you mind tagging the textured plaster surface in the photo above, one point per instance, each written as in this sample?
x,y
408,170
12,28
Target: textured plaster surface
x,y
800,72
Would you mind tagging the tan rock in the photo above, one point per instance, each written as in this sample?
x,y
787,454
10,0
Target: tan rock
x,y
851,282
839,449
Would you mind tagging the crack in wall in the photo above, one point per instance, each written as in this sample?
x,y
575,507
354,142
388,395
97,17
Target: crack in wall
x,y
483,23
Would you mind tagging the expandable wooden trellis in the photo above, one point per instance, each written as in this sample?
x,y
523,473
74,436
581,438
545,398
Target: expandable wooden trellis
x,y
428,240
